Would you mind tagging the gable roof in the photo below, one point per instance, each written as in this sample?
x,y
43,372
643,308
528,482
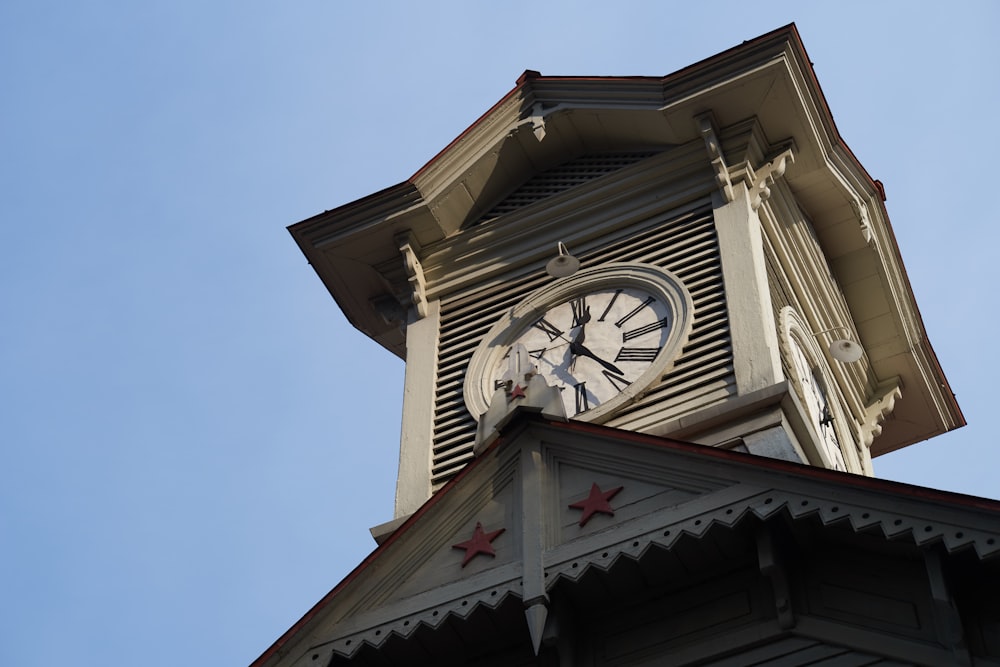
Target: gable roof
x,y
533,485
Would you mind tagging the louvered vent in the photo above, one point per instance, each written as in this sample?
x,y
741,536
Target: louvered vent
x,y
703,374
778,287
562,178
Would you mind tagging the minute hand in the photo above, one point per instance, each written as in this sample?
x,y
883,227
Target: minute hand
x,y
580,350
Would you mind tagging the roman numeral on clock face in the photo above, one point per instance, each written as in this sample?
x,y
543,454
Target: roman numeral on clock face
x,y
637,354
610,304
550,330
535,354
582,402
635,333
581,313
617,381
635,311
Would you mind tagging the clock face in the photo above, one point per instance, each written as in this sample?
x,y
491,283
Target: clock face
x,y
603,337
818,405
593,346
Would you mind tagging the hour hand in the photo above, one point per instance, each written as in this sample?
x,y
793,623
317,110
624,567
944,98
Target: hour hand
x,y
580,350
578,339
584,318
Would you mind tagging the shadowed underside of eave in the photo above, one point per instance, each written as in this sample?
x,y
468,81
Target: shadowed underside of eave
x,y
710,599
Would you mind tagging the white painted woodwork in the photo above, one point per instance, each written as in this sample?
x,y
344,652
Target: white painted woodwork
x,y
417,433
616,168
755,343
731,176
703,557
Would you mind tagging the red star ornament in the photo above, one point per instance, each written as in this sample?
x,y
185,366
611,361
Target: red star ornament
x,y
596,502
479,544
518,392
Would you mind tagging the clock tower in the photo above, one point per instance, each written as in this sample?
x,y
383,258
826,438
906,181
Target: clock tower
x,y
655,330
728,242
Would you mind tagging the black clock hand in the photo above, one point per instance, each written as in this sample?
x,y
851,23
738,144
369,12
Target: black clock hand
x,y
584,318
579,350
579,338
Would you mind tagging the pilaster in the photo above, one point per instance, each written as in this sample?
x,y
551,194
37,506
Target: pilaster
x,y
413,485
754,336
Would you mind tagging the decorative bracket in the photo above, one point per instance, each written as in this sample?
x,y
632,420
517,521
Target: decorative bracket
x,y
414,273
772,567
706,125
765,177
947,620
882,404
562,631
537,120
861,211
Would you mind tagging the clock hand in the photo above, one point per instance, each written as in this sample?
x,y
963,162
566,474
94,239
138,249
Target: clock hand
x,y
575,345
580,336
579,350
584,318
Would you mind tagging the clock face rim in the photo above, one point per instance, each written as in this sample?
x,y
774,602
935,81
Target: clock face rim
x,y
797,341
511,326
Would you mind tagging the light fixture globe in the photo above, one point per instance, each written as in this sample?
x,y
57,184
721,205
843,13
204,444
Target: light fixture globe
x,y
846,351
563,264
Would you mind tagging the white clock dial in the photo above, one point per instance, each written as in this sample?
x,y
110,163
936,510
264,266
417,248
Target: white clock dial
x,y
595,345
603,336
818,405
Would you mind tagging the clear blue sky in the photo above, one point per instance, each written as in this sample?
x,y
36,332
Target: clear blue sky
x,y
194,441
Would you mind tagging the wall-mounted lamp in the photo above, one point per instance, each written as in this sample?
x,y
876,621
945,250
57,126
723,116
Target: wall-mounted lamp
x,y
844,349
563,264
